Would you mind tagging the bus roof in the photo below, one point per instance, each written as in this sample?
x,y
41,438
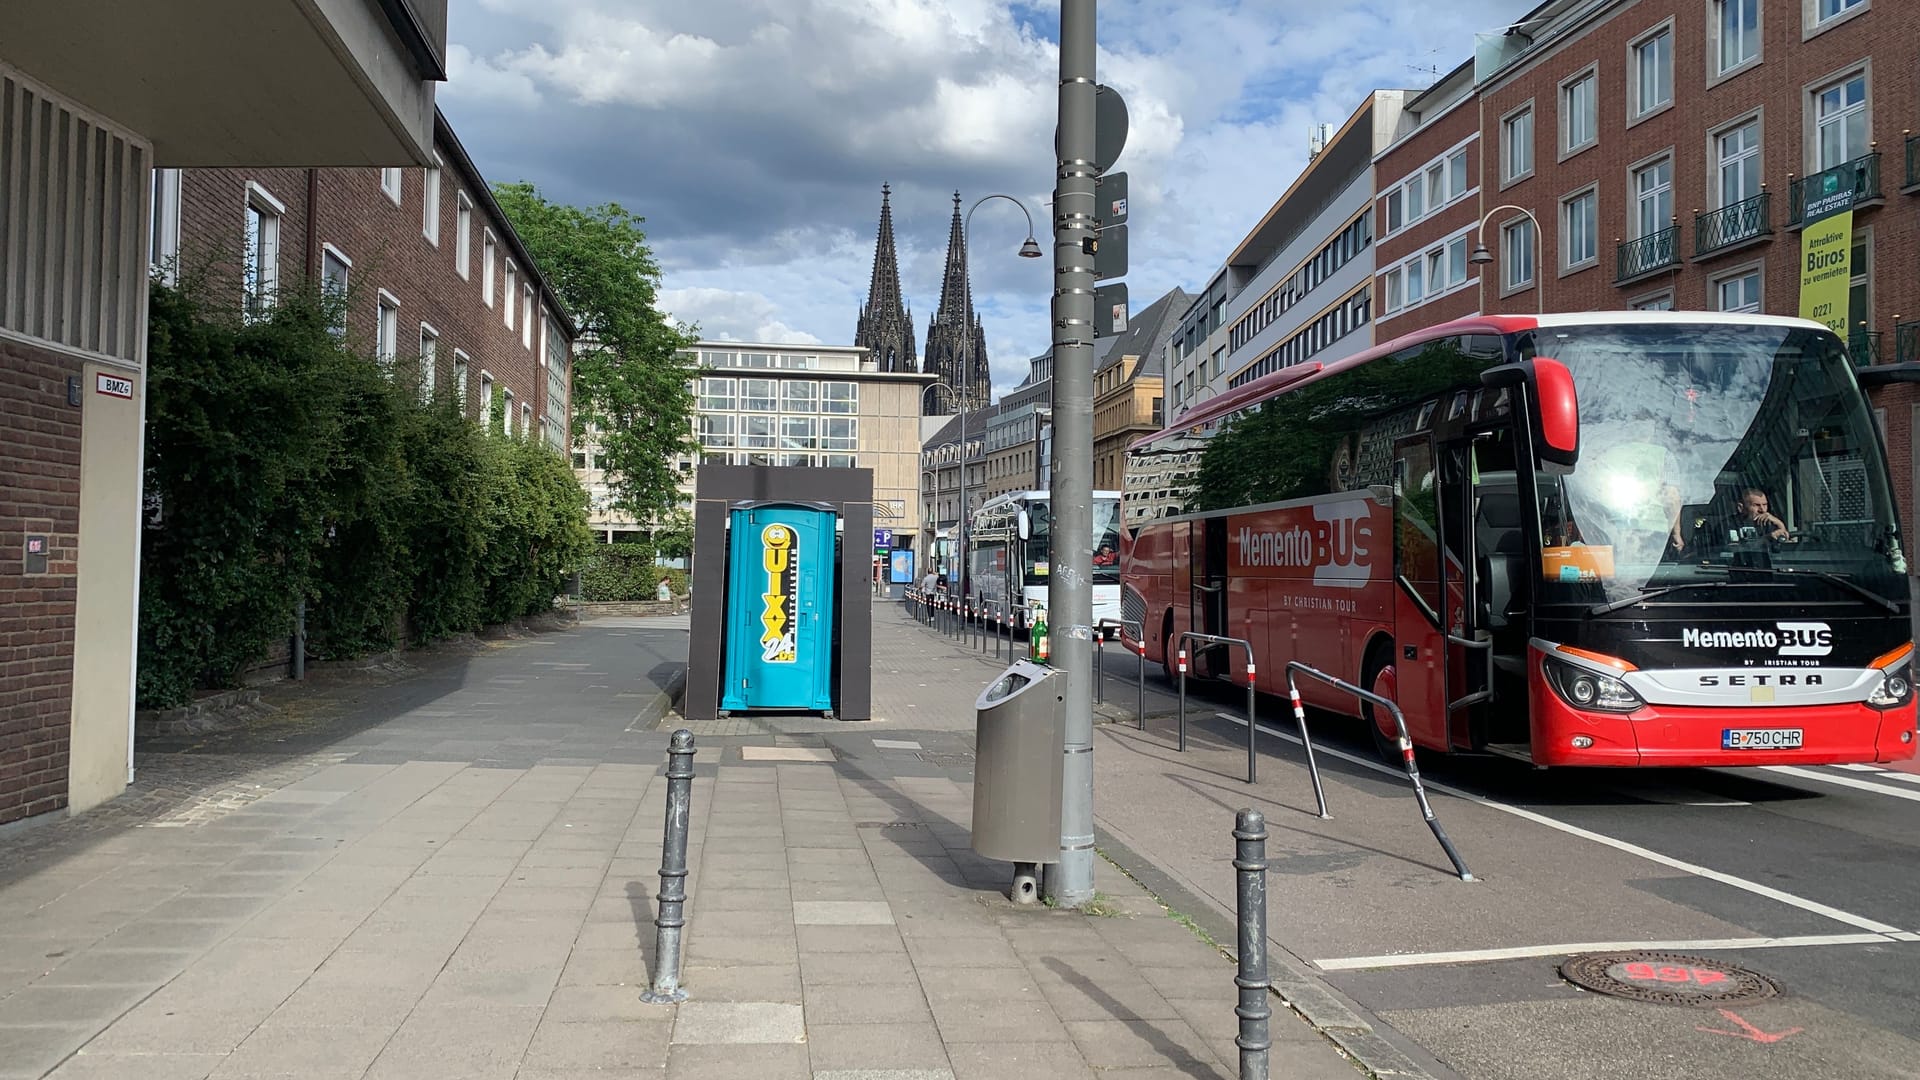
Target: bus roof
x,y
1268,385
1035,496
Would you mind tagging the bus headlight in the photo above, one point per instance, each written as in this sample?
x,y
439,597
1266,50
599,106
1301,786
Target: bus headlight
x,y
1895,689
1583,688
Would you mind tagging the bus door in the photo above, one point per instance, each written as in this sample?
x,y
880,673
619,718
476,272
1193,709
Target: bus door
x,y
1485,579
1420,649
1207,549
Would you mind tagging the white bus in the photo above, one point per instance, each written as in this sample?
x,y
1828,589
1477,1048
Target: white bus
x,y
1008,552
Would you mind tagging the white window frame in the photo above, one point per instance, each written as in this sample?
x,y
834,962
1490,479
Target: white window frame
x,y
1510,252
1432,266
386,328
1715,20
1811,105
1716,188
1637,226
462,363
1421,180
1570,266
1637,109
429,360
506,412
1647,302
329,252
510,280
463,240
430,202
263,264
487,385
526,317
1757,269
1812,25
1566,146
526,418
487,246
391,181
1508,174
163,256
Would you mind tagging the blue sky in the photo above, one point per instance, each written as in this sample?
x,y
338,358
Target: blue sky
x,y
754,135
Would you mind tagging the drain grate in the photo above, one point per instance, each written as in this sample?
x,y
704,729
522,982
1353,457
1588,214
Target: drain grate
x,y
1667,978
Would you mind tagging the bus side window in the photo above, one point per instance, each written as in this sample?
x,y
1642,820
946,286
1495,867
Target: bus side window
x,y
1416,541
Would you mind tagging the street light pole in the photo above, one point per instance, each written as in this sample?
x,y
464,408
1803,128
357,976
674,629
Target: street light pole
x,y
1481,257
1069,882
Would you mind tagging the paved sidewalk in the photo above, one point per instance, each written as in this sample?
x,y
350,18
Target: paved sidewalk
x,y
465,890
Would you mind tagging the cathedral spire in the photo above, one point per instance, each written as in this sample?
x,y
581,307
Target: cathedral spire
x,y
886,323
956,342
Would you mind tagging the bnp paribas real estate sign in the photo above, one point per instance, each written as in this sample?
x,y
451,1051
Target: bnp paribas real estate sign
x,y
1826,249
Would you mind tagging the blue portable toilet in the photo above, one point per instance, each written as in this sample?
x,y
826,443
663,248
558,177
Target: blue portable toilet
x,y
780,589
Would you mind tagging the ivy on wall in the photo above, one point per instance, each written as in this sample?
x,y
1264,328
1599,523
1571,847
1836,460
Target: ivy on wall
x,y
282,464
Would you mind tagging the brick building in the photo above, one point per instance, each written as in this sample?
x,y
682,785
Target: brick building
x,y
433,269
341,84
1662,150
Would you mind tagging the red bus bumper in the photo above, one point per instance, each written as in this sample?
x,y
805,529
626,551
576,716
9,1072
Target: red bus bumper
x,y
1689,736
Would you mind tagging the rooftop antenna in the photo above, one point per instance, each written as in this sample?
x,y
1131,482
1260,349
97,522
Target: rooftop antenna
x,y
1318,136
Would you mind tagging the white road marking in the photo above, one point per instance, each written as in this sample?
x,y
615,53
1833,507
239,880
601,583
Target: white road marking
x,y
1843,781
896,744
1859,768
1471,956
1649,854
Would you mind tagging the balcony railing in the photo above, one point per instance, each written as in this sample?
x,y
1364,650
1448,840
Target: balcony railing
x,y
1913,164
1655,251
1906,342
1864,347
1745,220
1862,172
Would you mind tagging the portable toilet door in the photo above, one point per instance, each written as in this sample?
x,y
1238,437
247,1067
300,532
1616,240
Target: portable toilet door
x,y
780,609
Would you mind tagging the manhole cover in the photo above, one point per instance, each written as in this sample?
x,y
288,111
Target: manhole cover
x,y
1667,978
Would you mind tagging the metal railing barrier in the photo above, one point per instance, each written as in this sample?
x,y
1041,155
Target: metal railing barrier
x,y
1406,751
1252,727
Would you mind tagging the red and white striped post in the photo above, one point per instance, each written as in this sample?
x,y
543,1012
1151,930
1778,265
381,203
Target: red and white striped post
x,y
1182,725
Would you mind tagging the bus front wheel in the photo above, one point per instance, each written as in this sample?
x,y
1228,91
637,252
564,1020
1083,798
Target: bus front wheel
x,y
1378,676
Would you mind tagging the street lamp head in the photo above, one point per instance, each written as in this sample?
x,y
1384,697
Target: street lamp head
x,y
1480,255
1030,249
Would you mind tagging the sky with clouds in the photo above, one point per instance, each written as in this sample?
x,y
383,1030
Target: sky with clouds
x,y
754,135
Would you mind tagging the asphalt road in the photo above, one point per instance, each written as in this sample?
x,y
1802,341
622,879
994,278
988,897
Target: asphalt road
x,y
1809,877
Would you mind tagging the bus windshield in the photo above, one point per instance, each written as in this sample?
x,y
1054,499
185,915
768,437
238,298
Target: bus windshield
x,y
1106,542
1714,452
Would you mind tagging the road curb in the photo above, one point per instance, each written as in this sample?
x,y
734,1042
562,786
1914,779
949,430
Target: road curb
x,y
662,703
1302,991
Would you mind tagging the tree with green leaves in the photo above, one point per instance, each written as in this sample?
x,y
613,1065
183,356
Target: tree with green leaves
x,y
630,377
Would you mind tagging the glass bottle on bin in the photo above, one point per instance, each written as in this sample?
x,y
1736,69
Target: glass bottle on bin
x,y
1037,636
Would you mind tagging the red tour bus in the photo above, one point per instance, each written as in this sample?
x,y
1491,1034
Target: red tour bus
x,y
1630,539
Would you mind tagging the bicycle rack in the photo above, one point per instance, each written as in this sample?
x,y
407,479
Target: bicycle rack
x,y
1252,727
1406,751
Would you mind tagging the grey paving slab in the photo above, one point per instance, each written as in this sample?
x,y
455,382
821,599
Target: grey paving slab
x,y
884,1074
723,1062
88,1066
866,1003
998,1060
710,1022
633,1042
32,1049
327,1051
842,913
875,1046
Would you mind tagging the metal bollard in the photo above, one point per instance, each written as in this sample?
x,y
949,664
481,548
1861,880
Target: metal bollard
x,y
666,988
1254,1010
1183,700
1099,666
1141,706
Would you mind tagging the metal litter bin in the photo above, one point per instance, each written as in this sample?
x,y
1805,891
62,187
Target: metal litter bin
x,y
1020,736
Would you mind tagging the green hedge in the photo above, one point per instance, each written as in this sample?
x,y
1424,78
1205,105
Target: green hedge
x,y
619,572
282,464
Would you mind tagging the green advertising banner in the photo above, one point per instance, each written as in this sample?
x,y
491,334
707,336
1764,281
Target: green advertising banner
x,y
1826,250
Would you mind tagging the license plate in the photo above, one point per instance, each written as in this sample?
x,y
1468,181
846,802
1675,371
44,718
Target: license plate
x,y
1760,738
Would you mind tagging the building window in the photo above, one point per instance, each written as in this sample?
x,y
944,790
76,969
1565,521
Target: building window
x,y
716,430
386,342
840,433
1516,145
1736,33
1516,253
1653,72
507,294
1657,302
1840,117
1859,292
716,395
1824,11
164,250
1396,209
429,359
1737,157
486,266
486,399
526,419
506,412
390,183
460,381
840,397
335,273
430,204
526,317
1394,287
1580,229
1579,117
800,432
462,230
1738,291
1653,197
261,274
758,395
799,396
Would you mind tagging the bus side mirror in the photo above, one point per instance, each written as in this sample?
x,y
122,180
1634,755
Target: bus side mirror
x,y
1555,415
1025,527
